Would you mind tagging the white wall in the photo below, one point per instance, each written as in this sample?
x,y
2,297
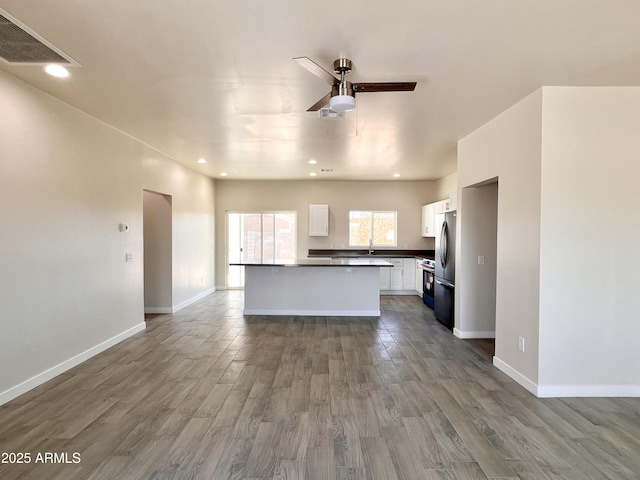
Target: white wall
x,y
67,181
445,186
590,238
508,148
568,233
193,224
406,198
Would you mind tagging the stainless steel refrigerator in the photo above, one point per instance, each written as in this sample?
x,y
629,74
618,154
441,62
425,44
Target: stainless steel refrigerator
x,y
445,274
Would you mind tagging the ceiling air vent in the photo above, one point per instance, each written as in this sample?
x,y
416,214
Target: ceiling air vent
x,y
328,113
19,45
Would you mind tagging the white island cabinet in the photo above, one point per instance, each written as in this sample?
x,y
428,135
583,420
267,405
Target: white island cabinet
x,y
347,287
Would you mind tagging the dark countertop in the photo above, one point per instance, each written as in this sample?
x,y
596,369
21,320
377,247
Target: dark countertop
x,y
385,253
311,262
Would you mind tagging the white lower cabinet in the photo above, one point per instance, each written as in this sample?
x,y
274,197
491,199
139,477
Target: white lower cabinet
x,y
397,274
385,277
400,277
418,275
408,274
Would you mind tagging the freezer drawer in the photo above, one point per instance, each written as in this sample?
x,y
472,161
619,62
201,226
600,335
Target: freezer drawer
x,y
444,295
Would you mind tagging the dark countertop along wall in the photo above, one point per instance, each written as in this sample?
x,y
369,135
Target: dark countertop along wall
x,y
364,253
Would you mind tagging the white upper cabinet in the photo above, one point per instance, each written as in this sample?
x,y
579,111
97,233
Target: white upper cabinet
x,y
318,220
453,202
430,211
428,220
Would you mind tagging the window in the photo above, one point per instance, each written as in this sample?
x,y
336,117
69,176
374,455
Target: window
x,y
379,227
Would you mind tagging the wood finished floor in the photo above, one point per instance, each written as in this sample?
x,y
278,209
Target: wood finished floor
x,y
209,394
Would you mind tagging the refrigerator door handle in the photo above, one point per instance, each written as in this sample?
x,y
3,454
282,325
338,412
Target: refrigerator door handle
x,y
444,247
445,284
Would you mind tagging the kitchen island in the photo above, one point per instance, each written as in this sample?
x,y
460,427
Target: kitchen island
x,y
343,287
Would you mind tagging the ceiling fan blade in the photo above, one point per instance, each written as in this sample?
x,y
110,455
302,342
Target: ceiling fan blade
x,y
316,69
384,87
320,103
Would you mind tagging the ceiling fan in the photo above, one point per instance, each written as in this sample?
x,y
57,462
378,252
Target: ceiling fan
x,y
343,93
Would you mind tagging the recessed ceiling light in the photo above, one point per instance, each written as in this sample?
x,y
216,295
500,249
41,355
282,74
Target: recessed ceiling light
x,y
202,160
312,174
312,162
56,70
396,175
224,174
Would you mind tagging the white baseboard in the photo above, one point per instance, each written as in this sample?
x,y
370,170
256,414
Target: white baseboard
x,y
398,292
180,306
52,372
516,375
468,334
553,391
158,310
188,302
556,391
318,313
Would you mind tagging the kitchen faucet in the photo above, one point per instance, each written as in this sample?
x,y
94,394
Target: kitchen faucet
x,y
370,246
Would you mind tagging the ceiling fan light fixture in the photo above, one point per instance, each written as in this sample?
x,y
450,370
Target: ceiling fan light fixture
x,y
342,103
342,97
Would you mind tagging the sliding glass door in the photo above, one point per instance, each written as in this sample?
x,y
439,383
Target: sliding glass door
x,y
258,237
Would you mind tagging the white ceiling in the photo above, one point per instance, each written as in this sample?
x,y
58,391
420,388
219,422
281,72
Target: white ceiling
x,y
215,79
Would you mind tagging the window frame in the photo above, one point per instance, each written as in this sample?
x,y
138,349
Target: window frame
x,y
373,213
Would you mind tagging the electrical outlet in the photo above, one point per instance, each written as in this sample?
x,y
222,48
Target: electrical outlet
x,y
128,257
480,259
521,344
348,270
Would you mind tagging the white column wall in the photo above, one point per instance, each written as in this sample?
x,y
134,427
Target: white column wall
x,y
507,148
590,238
568,264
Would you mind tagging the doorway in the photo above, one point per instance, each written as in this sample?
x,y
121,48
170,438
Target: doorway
x,y
258,237
478,268
158,268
